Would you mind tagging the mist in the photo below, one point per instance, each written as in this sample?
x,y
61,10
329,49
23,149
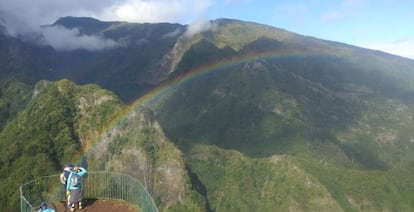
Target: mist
x,y
201,25
57,37
63,39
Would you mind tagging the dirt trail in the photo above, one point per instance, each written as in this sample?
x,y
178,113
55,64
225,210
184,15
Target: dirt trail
x,y
98,205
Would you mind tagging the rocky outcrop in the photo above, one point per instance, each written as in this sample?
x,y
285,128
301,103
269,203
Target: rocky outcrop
x,y
137,146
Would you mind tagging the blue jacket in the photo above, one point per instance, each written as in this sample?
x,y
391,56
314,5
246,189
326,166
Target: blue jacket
x,y
46,210
81,171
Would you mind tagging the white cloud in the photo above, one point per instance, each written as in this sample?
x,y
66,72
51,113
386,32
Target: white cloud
x,y
172,34
39,12
24,17
63,39
403,47
148,11
45,11
15,26
198,26
157,10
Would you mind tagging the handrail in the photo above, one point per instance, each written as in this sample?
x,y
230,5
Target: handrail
x,y
97,184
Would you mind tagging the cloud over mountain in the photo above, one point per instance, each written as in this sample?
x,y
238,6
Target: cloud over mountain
x,y
63,39
198,26
24,18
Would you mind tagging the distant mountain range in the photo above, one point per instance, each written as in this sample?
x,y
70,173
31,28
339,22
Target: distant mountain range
x,y
237,116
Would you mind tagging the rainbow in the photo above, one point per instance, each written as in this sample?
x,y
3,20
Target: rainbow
x,y
151,97
199,72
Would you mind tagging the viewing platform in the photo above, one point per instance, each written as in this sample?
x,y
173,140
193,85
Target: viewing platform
x,y
96,185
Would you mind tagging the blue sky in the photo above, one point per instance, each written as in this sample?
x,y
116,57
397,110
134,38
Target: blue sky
x,y
386,25
383,24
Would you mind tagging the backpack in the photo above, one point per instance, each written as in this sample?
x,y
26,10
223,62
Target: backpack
x,y
66,174
75,180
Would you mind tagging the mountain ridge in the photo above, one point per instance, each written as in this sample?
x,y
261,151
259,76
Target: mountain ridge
x,y
327,126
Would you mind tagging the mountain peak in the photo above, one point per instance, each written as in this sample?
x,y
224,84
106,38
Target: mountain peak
x,y
85,24
70,20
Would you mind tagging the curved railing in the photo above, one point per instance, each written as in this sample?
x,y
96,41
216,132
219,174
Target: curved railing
x,y
97,185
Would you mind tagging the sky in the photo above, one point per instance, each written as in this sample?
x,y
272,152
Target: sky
x,y
386,25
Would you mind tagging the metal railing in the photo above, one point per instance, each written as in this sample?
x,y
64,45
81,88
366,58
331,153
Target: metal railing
x,y
97,185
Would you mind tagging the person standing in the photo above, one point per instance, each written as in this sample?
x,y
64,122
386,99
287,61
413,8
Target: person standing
x,y
74,187
64,178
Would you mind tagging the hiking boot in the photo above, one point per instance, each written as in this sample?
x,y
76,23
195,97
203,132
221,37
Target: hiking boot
x,y
71,207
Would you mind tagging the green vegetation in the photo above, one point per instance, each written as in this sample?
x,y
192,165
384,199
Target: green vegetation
x,y
238,183
14,96
328,127
366,190
281,182
346,122
138,147
48,133
237,34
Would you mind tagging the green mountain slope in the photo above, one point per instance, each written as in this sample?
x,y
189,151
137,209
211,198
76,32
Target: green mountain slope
x,y
337,109
291,123
129,70
14,95
18,60
62,122
55,127
317,94
137,146
235,182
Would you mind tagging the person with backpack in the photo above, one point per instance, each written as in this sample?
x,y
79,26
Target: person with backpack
x,y
64,176
44,208
74,186
65,173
